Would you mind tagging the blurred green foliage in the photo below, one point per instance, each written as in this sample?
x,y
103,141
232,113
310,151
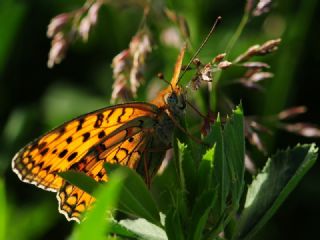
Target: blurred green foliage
x,y
34,99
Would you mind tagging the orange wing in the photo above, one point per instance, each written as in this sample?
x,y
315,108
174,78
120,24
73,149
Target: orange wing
x,y
116,134
120,134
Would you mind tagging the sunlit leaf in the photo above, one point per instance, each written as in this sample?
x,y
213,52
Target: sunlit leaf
x,y
234,147
220,177
144,229
271,187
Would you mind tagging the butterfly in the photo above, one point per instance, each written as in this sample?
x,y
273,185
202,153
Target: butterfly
x,y
122,134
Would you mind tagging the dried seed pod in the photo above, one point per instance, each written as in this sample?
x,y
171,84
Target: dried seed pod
x,y
224,64
291,112
59,45
302,129
128,66
255,65
263,6
257,50
218,58
58,23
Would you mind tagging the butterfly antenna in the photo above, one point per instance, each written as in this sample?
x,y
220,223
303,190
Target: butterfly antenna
x,y
161,77
201,46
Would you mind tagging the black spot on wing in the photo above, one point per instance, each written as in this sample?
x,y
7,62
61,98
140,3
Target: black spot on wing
x,y
44,151
99,120
41,145
122,113
69,139
109,114
116,158
81,121
101,134
72,156
62,130
33,146
63,153
85,136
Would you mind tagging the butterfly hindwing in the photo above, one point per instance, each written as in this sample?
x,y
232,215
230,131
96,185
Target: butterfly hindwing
x,y
131,145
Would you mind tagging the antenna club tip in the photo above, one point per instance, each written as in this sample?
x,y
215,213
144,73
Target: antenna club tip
x,y
219,18
160,75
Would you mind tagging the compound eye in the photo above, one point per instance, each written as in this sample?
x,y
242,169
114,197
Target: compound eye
x,y
172,98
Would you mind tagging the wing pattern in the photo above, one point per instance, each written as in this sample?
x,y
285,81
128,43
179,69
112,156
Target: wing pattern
x,y
117,134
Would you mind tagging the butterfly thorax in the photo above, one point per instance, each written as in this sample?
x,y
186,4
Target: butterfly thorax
x,y
171,103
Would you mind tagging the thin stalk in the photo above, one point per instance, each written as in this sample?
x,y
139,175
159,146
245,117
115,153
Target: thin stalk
x,y
230,45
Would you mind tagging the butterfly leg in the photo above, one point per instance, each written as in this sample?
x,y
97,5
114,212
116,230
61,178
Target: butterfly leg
x,y
145,164
154,170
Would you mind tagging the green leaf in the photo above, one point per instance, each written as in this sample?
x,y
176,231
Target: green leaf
x,y
234,148
183,136
220,177
208,156
173,225
271,187
179,156
189,174
135,198
144,229
228,171
200,213
180,198
164,187
205,171
96,226
80,180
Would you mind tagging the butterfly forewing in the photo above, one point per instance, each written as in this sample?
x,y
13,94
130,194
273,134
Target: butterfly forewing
x,y
59,149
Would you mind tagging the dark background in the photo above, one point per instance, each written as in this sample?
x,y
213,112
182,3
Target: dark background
x,y
34,99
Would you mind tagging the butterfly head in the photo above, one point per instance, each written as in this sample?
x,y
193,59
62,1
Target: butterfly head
x,y
175,100
173,97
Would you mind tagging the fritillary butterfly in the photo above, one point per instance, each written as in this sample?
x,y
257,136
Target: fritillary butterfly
x,y
120,134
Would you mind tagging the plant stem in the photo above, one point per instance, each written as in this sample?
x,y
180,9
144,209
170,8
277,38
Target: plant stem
x,y
230,45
